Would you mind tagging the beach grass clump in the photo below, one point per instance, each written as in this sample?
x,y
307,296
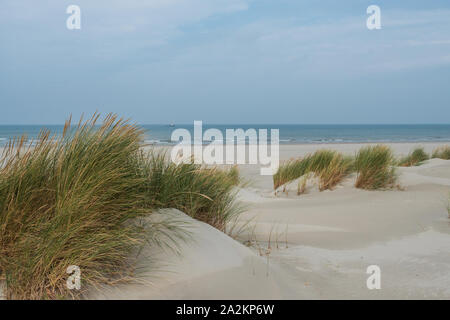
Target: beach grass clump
x,y
71,200
321,159
415,158
374,167
290,170
82,199
233,174
207,194
328,165
338,168
442,152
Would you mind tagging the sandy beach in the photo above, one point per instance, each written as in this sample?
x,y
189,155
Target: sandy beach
x,y
318,245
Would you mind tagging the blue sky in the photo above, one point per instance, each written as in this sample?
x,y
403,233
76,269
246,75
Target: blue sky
x,y
226,61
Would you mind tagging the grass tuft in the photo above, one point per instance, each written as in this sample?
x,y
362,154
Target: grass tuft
x,y
290,171
415,158
69,201
205,194
328,165
442,153
374,167
83,199
335,171
233,175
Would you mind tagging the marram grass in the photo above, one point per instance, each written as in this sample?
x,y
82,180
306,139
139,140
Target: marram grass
x,y
328,165
374,167
68,201
337,169
290,171
207,194
82,199
442,153
415,158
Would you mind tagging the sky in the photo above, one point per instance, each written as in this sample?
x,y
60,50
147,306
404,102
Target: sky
x,y
226,61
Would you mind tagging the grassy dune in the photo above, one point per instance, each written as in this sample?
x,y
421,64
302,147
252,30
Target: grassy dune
x,y
205,194
66,202
329,166
442,153
415,158
81,199
374,167
290,171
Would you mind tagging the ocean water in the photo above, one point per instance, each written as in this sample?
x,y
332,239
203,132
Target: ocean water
x,y
289,134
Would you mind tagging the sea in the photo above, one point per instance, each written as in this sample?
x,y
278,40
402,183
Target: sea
x,y
160,134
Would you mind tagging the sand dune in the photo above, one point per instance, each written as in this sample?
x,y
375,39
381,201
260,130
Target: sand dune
x,y
211,266
321,243
333,236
